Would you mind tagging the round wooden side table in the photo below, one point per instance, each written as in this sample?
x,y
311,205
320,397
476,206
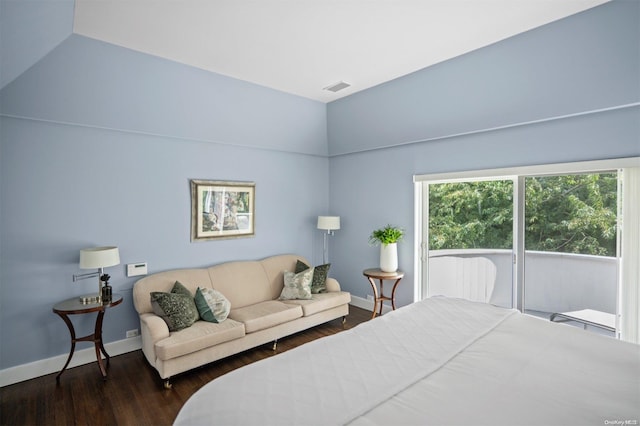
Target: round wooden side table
x,y
75,307
379,297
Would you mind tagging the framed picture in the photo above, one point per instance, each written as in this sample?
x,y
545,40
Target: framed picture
x,y
222,209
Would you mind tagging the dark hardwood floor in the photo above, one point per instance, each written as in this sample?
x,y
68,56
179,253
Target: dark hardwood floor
x,y
133,393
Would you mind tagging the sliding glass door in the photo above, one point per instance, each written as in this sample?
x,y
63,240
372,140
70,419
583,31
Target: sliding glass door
x,y
542,239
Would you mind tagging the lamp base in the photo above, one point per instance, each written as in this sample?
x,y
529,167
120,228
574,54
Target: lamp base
x,y
106,293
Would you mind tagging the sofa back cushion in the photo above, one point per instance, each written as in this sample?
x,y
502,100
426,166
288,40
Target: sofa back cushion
x,y
164,281
243,283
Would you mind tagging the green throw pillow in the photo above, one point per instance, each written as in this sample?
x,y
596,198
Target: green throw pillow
x,y
178,288
297,286
177,308
212,305
319,282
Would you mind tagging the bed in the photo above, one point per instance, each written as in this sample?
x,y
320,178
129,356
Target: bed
x,y
438,361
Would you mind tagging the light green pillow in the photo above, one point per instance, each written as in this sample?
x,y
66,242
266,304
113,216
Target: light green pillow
x,y
178,310
297,286
319,281
212,305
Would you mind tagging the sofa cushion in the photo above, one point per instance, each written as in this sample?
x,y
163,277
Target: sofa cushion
x,y
212,305
243,283
320,272
322,302
297,286
177,308
200,335
265,315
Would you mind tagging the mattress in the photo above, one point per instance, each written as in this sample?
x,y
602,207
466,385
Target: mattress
x,y
438,361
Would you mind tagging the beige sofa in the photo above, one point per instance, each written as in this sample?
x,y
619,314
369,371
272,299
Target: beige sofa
x,y
256,317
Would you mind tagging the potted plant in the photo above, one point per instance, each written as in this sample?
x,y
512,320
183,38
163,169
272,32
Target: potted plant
x,y
387,238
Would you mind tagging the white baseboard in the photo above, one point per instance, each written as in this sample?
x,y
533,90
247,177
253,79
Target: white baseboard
x,y
54,364
367,304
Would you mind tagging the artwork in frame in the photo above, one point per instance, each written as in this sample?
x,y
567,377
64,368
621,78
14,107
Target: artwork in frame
x,y
222,209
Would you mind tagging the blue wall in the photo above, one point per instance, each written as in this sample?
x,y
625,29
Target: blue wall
x,y
29,30
567,91
91,83
98,145
585,62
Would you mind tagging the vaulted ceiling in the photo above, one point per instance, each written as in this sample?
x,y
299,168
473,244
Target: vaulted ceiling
x,y
304,46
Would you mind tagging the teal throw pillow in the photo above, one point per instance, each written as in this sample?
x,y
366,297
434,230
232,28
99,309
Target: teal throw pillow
x,y
319,281
212,305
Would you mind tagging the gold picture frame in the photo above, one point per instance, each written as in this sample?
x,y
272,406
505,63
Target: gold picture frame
x,y
222,209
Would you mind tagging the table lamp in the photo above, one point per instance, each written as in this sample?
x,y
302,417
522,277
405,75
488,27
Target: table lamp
x,y
100,258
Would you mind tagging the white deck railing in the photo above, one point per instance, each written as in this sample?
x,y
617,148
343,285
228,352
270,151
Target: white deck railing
x,y
554,282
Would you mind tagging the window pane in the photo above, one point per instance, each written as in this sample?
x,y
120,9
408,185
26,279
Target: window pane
x,y
570,241
470,240
572,214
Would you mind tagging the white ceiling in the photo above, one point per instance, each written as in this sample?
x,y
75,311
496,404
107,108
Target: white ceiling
x,y
303,46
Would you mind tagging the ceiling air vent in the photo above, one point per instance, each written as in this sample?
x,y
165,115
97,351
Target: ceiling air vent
x,y
337,86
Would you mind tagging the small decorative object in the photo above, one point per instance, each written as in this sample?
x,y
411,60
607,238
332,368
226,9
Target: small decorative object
x,y
221,209
388,238
106,289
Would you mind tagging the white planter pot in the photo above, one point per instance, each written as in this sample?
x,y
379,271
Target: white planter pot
x,y
389,257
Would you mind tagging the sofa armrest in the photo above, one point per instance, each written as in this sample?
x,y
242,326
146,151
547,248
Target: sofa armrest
x,y
332,285
155,327
152,329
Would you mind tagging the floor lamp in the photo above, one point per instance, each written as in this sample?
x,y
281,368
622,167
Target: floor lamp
x,y
329,224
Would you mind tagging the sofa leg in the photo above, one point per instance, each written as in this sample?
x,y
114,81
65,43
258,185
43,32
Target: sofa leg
x,y
344,321
275,345
167,384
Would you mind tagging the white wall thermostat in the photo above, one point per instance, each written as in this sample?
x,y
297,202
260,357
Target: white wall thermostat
x,y
135,269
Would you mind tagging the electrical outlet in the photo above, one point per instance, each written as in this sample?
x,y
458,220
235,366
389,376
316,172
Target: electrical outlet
x,y
132,333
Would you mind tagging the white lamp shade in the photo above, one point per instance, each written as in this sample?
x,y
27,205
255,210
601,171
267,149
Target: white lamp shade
x,y
99,257
329,223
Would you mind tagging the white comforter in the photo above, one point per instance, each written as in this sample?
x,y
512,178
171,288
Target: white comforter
x,y
439,361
